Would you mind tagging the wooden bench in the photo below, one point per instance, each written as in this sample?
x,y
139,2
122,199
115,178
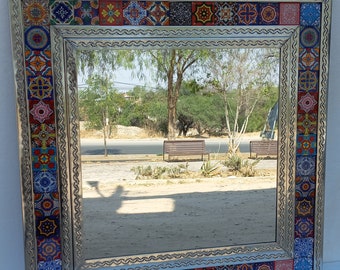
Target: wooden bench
x,y
267,148
184,148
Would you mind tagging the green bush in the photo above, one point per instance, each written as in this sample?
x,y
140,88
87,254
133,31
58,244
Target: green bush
x,y
160,172
209,169
245,167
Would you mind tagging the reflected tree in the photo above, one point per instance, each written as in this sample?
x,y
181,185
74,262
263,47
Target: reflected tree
x,y
99,105
241,77
170,67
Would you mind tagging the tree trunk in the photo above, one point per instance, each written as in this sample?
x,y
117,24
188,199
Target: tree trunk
x,y
171,123
105,131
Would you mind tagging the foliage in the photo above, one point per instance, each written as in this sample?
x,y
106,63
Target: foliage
x,y
104,62
205,110
100,102
184,124
213,91
241,77
145,109
178,171
233,162
257,120
248,168
171,67
209,169
158,172
245,167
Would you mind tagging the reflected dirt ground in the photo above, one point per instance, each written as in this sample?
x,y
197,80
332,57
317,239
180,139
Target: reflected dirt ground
x,y
124,216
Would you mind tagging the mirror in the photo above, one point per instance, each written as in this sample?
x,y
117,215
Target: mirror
x,y
137,202
279,244
299,29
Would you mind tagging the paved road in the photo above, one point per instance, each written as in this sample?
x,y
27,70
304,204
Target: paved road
x,y
128,147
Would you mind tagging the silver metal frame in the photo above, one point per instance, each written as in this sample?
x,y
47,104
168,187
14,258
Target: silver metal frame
x,y
65,40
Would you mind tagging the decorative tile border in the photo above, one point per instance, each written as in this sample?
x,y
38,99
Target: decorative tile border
x,y
37,18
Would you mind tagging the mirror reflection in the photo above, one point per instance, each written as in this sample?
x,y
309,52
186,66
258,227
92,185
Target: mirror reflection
x,y
178,149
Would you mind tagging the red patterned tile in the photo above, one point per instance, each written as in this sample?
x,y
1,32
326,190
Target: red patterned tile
x,y
158,13
110,12
289,13
36,12
248,14
203,13
284,265
41,111
308,103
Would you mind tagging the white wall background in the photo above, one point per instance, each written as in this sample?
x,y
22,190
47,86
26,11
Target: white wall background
x,y
11,228
332,187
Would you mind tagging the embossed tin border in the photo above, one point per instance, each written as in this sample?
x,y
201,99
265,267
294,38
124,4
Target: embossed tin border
x,y
88,38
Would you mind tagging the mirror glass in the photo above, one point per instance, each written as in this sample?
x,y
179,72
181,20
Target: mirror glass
x,y
140,199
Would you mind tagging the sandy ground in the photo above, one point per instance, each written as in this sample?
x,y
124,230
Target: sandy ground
x,y
124,216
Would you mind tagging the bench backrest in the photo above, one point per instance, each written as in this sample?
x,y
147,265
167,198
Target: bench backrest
x,y
182,146
263,146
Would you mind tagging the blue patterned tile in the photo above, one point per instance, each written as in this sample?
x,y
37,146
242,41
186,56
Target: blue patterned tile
x,y
37,38
48,226
305,186
305,166
180,13
303,264
38,63
61,12
306,145
304,227
308,81
49,249
86,12
310,14
303,247
304,207
50,265
46,204
226,13
269,13
45,181
309,37
134,13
